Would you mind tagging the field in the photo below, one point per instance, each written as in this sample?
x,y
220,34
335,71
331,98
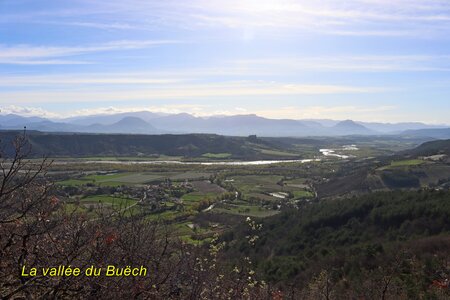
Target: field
x,y
409,162
131,158
270,187
279,153
129,178
216,155
109,200
93,205
245,210
302,194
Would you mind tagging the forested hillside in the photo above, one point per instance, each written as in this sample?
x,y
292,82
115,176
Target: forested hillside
x,y
431,148
79,145
354,241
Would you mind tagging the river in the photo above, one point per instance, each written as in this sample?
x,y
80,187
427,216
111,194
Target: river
x,y
325,152
209,163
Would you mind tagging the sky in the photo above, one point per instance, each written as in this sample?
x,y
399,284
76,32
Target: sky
x,y
366,60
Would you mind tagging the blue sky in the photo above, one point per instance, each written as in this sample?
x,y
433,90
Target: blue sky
x,y
368,60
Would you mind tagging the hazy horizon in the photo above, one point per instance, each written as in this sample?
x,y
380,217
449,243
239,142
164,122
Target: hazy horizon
x,y
364,60
25,112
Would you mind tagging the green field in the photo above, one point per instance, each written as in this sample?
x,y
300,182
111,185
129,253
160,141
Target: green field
x,y
409,162
278,153
131,158
93,204
245,210
106,180
216,155
197,196
296,181
117,202
130,178
76,182
168,215
191,200
254,186
397,164
257,183
302,194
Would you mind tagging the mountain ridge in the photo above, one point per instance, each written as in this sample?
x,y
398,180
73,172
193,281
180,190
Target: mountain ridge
x,y
145,122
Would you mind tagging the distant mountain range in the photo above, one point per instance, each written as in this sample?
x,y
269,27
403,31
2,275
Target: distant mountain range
x,y
239,125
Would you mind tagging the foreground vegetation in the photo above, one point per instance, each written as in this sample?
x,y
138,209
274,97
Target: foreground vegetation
x,y
355,242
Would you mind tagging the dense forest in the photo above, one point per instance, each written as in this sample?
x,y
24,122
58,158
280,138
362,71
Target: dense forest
x,y
79,145
430,148
355,240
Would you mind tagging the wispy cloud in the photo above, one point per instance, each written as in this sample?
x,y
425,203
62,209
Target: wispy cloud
x,y
31,54
239,68
27,111
350,17
194,109
355,17
362,63
98,25
34,62
182,91
70,81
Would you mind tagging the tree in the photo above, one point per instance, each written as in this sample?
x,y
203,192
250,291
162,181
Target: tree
x,y
37,230
25,207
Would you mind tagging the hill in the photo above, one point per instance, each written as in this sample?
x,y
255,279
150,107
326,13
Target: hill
x,y
16,120
348,237
186,145
125,125
111,118
430,148
350,127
